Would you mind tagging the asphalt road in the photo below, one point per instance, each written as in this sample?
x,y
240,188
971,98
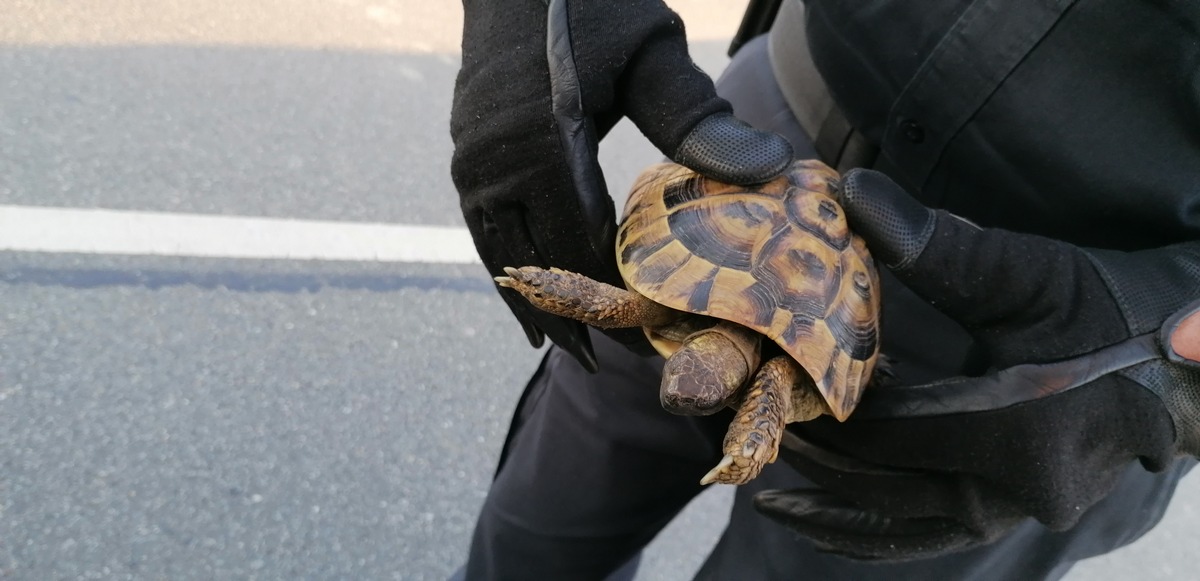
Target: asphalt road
x,y
188,418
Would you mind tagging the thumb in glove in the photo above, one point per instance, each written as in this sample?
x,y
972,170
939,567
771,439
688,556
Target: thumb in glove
x,y
630,58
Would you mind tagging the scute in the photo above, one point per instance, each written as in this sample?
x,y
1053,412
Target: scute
x,y
778,258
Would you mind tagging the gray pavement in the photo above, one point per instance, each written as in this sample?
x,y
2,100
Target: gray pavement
x,y
183,418
262,131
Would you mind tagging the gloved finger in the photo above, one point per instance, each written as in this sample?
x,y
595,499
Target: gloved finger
x,y
659,88
604,122
1026,298
495,256
676,106
512,245
580,236
572,336
896,226
729,150
839,527
910,493
580,140
532,333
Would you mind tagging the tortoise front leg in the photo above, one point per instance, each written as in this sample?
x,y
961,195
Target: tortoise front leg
x,y
568,294
753,438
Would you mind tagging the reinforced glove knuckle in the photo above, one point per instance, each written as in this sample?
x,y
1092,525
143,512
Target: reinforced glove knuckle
x,y
1179,389
729,150
897,228
1149,286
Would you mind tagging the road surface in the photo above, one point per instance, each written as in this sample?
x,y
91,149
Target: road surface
x,y
186,391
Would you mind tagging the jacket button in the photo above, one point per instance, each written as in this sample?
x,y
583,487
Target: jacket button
x,y
912,131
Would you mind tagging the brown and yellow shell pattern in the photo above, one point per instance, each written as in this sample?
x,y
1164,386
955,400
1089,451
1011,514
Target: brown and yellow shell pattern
x,y
778,258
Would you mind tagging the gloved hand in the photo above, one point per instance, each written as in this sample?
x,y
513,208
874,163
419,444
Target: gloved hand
x,y
539,86
1096,366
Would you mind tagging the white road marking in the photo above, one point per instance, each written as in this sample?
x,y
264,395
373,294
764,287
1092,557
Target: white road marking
x,y
95,231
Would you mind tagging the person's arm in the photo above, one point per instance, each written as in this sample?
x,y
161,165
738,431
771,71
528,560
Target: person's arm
x,y
540,85
1096,356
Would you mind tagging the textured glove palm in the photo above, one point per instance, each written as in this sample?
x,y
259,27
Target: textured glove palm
x,y
539,86
1094,372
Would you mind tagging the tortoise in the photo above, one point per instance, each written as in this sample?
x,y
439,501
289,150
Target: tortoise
x,y
711,270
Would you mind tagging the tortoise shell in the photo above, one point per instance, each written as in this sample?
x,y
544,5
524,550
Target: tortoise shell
x,y
778,258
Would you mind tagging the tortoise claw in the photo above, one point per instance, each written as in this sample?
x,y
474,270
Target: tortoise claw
x,y
719,471
510,281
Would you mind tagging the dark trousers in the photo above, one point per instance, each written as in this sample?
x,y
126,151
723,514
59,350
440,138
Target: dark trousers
x,y
593,467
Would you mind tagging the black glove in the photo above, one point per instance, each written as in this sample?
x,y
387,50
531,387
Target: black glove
x,y
1096,354
539,86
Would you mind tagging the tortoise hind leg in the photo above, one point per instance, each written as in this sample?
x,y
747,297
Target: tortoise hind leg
x,y
572,295
780,393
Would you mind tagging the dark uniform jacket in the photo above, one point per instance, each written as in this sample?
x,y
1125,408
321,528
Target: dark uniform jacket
x,y
1073,119
1078,120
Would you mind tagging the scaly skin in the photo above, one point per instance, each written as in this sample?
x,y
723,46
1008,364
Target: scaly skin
x,y
709,368
753,438
706,373
578,297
